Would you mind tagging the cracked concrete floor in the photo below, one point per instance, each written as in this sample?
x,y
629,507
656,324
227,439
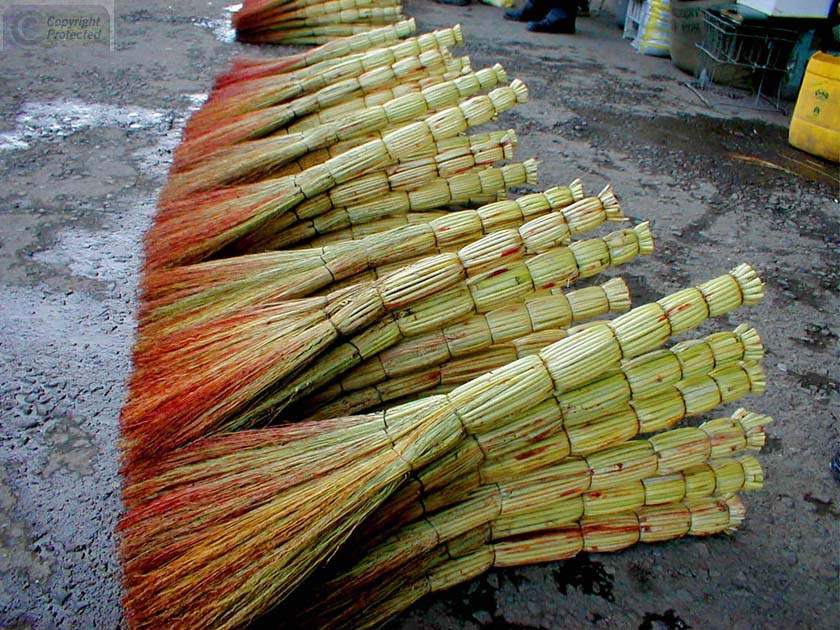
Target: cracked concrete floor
x,y
85,142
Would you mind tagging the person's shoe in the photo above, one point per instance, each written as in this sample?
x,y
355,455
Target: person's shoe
x,y
530,11
583,8
557,21
454,3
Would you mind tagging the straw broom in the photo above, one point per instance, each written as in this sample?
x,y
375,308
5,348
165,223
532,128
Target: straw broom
x,y
412,83
489,288
273,89
477,333
245,69
303,11
587,214
262,27
446,156
436,192
473,554
318,34
553,498
546,435
477,142
230,526
254,160
540,438
291,334
448,178
275,119
222,217
444,377
416,299
286,274
311,17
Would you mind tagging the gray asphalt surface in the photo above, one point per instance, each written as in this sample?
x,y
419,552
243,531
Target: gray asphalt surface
x,y
85,143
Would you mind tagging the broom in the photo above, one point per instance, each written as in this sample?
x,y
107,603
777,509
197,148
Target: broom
x,y
477,333
539,438
486,291
555,227
450,177
367,390
254,160
292,334
412,83
222,217
274,119
553,498
230,526
245,69
438,192
474,553
286,274
262,27
245,96
546,435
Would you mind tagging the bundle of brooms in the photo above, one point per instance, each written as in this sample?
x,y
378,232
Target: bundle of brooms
x,y
335,241
311,21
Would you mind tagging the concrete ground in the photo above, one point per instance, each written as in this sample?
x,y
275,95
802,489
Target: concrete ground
x,y
85,141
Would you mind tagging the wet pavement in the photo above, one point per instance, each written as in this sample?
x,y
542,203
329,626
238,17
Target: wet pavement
x,y
85,143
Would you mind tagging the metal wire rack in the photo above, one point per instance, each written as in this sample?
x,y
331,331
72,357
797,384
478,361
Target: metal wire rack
x,y
764,50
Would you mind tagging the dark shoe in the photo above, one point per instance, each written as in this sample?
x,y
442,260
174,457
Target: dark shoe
x,y
454,3
583,8
530,11
557,21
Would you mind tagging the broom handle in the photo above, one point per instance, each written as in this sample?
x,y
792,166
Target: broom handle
x,y
473,554
441,278
274,120
459,227
434,193
529,507
257,158
373,386
309,20
384,189
313,8
314,35
414,82
248,69
447,237
268,89
547,441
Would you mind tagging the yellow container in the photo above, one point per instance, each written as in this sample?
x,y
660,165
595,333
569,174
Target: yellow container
x,y
815,126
